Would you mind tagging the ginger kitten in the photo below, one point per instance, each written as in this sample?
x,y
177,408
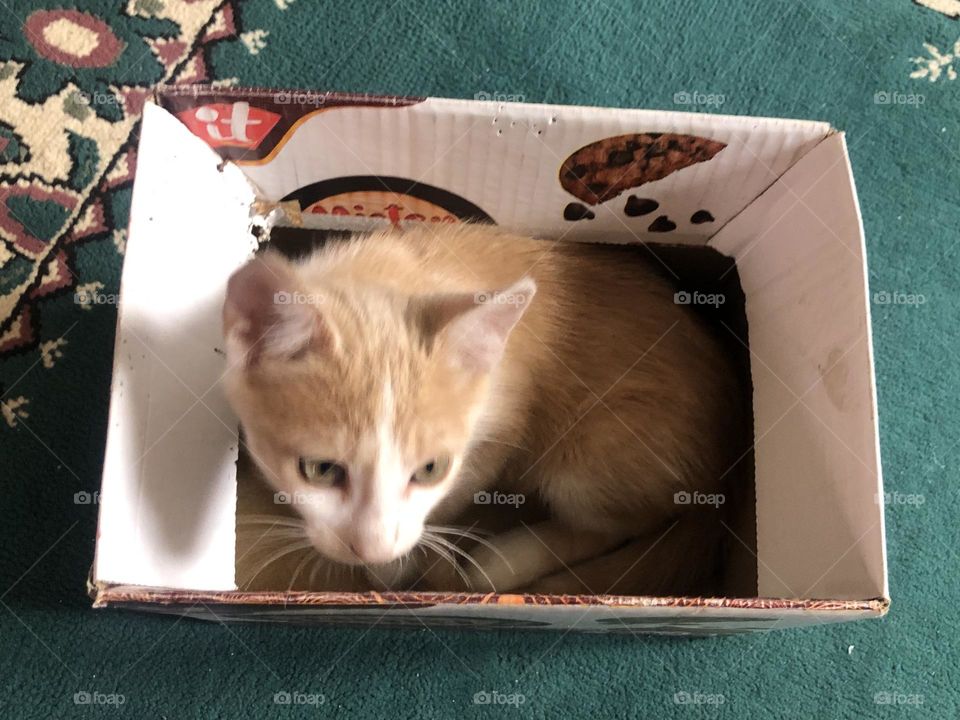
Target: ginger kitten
x,y
382,382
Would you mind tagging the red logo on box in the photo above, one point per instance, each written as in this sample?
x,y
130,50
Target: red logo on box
x,y
229,124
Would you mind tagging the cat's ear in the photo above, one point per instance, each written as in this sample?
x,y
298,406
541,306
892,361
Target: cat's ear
x,y
472,329
265,315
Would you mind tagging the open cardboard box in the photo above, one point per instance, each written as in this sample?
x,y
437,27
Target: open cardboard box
x,y
219,167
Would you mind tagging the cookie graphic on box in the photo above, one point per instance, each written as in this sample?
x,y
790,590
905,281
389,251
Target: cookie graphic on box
x,y
602,170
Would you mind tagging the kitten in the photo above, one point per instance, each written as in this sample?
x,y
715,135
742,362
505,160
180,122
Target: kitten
x,y
384,381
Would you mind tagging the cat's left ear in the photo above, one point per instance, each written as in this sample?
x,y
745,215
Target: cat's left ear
x,y
472,329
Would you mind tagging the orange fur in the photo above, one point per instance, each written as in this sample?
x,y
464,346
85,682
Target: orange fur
x,y
608,397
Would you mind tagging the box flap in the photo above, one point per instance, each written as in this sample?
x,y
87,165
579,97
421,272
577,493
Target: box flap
x,y
168,498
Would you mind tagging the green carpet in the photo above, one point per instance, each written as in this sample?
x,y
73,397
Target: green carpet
x,y
882,71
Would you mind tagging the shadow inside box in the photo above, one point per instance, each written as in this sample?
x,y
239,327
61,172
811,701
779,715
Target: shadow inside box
x,y
158,356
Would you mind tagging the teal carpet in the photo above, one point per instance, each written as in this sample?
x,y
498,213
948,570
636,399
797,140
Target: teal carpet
x,y
814,59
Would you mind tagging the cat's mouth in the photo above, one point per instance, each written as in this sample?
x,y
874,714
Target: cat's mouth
x,y
357,553
345,554
373,558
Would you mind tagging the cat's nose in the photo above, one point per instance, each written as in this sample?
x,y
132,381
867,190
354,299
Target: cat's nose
x,y
372,553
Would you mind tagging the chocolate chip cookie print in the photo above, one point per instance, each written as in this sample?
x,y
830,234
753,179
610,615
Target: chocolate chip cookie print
x,y
603,170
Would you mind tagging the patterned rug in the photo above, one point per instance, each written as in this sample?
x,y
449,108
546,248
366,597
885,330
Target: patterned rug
x,y
73,78
72,86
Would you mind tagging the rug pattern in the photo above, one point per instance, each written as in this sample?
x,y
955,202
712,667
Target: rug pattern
x,y
72,87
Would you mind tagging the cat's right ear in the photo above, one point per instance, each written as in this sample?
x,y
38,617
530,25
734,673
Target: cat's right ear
x,y
472,329
265,315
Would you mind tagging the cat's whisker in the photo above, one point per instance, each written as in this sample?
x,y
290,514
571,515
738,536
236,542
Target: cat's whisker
x,y
271,516
307,557
258,543
270,530
459,530
372,572
431,542
465,555
276,556
283,520
314,569
472,536
274,532
441,548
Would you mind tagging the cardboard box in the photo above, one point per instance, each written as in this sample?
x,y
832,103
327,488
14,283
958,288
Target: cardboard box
x,y
218,166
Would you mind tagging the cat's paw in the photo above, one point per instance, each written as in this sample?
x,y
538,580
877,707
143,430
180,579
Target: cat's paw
x,y
493,573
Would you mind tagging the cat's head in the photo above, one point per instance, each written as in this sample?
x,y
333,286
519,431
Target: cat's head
x,y
359,404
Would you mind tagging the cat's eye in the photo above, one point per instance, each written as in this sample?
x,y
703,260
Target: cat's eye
x,y
323,473
432,472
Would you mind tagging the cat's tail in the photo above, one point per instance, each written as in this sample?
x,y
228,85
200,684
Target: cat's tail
x,y
698,554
